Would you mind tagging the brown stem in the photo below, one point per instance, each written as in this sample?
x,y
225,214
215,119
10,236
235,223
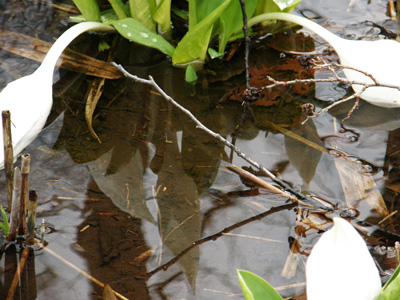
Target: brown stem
x,y
25,168
8,156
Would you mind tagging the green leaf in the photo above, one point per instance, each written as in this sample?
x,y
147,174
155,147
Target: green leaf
x,y
4,225
256,288
141,10
268,6
162,15
231,21
193,46
89,9
190,75
180,13
103,46
391,290
135,31
214,54
119,8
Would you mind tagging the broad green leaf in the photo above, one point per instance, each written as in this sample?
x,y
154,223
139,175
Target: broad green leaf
x,y
108,15
231,21
268,6
141,10
162,15
190,75
256,288
119,8
193,19
89,9
205,8
135,31
193,46
391,290
200,9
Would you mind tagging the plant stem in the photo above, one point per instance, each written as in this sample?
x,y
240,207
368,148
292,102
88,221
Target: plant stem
x,y
8,156
30,239
25,167
15,205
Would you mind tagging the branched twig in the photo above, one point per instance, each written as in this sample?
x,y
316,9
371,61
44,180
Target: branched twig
x,y
217,235
304,198
320,63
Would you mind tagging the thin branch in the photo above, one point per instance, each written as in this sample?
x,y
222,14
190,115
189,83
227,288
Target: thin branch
x,y
304,198
246,43
320,63
217,235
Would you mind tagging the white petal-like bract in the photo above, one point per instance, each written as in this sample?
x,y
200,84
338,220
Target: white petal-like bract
x,y
340,266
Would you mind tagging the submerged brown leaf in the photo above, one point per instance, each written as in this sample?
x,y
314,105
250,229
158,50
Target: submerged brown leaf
x,y
37,49
358,185
94,94
108,293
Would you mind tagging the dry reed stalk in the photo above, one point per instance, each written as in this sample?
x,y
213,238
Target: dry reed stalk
x,y
8,156
15,205
25,168
30,239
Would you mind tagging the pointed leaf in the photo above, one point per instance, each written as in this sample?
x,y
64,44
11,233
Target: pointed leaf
x,y
141,11
231,20
162,15
135,31
119,8
193,47
256,288
391,290
190,75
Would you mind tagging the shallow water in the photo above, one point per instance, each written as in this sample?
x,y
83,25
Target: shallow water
x,y
156,184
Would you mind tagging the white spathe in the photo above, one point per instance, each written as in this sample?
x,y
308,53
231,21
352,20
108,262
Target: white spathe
x,y
379,58
30,98
340,266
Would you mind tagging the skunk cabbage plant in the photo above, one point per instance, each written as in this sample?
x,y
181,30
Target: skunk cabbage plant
x,y
30,98
379,58
341,267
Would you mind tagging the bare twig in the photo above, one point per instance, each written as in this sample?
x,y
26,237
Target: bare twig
x,y
246,43
320,63
304,198
217,235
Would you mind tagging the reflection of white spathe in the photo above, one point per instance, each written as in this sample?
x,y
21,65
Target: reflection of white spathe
x,y
30,98
379,58
341,267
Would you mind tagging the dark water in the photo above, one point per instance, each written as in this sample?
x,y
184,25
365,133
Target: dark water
x,y
156,184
